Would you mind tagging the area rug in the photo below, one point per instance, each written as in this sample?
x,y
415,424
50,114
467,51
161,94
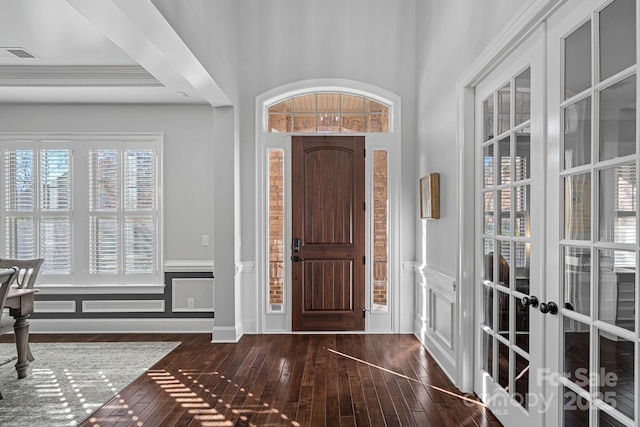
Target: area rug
x,y
67,382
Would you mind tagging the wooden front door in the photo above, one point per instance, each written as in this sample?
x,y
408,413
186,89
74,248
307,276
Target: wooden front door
x,y
328,245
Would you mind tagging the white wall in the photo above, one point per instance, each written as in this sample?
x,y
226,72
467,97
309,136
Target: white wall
x,y
285,41
253,46
451,34
188,154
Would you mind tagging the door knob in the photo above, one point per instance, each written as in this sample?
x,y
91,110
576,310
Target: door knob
x,y
549,307
530,301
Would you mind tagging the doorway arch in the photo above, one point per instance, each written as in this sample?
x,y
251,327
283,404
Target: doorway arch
x,y
278,320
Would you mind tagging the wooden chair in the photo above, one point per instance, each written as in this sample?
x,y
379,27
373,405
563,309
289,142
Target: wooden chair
x,y
27,270
7,276
27,273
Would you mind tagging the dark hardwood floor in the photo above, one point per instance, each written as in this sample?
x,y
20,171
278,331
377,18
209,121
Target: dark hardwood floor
x,y
287,380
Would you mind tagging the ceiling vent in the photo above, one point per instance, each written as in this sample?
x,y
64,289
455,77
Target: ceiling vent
x,y
15,52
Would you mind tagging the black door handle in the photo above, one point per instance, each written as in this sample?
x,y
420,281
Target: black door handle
x,y
296,258
549,307
530,301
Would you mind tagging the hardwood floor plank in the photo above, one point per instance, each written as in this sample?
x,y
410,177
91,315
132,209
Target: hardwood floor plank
x,y
285,380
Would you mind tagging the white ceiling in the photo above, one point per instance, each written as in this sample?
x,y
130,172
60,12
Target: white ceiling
x,y
97,51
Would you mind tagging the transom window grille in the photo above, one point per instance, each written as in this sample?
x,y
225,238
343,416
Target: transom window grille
x,y
328,112
89,208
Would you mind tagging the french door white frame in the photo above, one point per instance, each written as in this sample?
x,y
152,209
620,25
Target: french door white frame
x,y
376,322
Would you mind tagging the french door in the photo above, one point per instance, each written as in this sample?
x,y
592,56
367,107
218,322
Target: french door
x,y
592,253
510,234
557,329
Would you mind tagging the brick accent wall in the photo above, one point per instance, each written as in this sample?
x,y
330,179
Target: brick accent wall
x,y
380,226
276,227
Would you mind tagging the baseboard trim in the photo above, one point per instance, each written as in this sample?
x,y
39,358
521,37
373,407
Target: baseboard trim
x,y
227,334
108,326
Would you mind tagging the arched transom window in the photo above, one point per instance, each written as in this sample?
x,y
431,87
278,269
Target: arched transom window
x,y
328,112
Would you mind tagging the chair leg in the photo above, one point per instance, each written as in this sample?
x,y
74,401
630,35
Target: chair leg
x,y
29,354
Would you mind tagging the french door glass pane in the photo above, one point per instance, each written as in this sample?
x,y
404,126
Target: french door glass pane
x,y
607,420
487,304
523,213
522,325
503,365
504,158
616,379
577,61
616,288
618,119
503,314
487,123
577,207
577,134
523,156
504,265
618,189
522,381
577,280
487,273
487,351
576,409
617,37
489,208
505,212
522,254
523,97
488,165
576,352
504,109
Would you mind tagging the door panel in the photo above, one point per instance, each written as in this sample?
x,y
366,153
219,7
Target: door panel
x,y
328,218
509,182
592,253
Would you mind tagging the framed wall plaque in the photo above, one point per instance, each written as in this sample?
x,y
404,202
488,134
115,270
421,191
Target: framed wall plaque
x,y
430,196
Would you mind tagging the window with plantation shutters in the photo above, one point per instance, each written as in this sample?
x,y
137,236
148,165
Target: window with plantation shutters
x,y
122,211
89,207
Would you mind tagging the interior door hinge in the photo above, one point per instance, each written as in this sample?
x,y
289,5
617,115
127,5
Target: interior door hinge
x,y
364,259
364,206
365,152
364,313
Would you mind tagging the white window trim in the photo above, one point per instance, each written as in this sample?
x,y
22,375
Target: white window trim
x,y
77,283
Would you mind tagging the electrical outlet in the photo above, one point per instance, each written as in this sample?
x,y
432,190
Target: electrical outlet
x,y
191,303
205,240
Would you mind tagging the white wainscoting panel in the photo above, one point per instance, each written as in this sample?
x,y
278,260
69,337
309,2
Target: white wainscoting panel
x,y
192,294
54,306
123,306
435,322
